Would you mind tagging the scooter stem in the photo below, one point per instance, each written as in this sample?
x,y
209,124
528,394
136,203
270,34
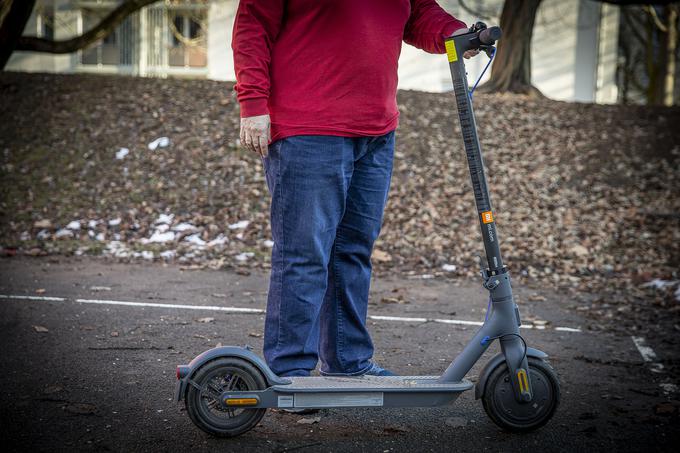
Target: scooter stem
x,y
503,321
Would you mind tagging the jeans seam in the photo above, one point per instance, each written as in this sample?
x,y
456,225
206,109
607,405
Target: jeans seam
x,y
281,247
341,341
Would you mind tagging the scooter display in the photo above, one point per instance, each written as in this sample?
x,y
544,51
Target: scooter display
x,y
227,390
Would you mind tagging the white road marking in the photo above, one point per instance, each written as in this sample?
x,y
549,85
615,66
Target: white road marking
x,y
648,354
567,329
258,311
45,298
184,307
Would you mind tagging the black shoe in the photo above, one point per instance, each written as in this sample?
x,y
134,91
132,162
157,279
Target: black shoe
x,y
377,370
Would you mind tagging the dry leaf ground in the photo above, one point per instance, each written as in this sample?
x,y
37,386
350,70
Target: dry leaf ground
x,y
586,196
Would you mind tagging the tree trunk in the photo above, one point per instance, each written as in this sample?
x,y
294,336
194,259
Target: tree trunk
x,y
671,47
13,17
511,70
100,31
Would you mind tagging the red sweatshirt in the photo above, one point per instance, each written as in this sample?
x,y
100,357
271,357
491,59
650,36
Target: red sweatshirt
x,y
329,67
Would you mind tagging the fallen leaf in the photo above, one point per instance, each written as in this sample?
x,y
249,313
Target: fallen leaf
x,y
40,329
309,421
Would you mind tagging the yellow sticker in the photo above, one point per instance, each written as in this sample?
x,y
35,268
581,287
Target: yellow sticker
x,y
451,50
487,217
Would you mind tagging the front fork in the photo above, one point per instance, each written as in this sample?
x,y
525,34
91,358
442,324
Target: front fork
x,y
513,346
502,323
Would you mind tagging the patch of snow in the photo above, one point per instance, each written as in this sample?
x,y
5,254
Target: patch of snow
x,y
162,228
25,236
168,254
63,233
184,226
74,225
219,240
43,234
165,218
160,142
195,239
268,243
239,225
92,224
239,236
115,222
658,283
449,267
147,255
244,256
100,237
117,248
121,153
167,236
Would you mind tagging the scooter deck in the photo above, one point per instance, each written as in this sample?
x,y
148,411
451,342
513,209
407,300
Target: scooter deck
x,y
371,383
360,391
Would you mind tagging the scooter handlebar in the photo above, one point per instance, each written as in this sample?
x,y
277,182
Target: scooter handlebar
x,y
490,35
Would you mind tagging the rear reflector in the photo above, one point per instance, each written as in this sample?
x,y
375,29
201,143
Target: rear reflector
x,y
241,401
182,371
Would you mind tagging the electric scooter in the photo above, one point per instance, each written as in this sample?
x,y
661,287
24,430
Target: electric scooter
x,y
227,390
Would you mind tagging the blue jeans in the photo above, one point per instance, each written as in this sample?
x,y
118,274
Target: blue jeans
x,y
328,195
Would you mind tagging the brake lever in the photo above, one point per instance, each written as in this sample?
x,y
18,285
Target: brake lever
x,y
490,51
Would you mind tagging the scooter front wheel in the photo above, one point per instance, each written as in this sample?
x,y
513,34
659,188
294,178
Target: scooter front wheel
x,y
203,401
503,408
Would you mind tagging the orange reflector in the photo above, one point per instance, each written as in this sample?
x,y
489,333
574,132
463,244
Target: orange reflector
x,y
241,401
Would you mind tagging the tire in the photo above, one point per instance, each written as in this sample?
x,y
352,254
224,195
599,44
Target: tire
x,y
503,409
206,410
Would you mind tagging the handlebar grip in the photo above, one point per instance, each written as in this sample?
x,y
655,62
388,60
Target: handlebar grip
x,y
490,35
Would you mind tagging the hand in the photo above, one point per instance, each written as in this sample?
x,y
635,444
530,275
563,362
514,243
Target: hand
x,y
256,133
470,53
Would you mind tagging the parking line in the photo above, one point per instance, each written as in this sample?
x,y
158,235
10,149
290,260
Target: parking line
x,y
648,354
258,311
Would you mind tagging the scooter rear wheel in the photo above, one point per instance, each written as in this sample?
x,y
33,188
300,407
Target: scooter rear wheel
x,y
204,405
504,410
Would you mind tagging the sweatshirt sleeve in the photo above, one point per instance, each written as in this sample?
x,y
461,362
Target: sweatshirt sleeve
x,y
428,25
256,27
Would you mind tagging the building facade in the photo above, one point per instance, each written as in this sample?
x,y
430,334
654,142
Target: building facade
x,y
574,47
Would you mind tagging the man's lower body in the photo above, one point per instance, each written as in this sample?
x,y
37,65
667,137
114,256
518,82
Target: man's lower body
x,y
328,196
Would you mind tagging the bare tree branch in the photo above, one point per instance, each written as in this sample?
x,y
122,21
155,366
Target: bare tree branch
x,y
15,14
657,20
100,31
482,15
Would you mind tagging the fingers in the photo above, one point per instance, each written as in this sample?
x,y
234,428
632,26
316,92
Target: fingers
x,y
255,140
242,136
255,133
263,145
470,53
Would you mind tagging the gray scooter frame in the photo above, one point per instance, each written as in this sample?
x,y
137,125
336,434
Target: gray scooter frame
x,y
502,321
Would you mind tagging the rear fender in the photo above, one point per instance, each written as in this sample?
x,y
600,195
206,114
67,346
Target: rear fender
x,y
227,351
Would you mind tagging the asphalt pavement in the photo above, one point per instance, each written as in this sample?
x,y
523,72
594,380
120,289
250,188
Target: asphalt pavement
x,y
89,350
